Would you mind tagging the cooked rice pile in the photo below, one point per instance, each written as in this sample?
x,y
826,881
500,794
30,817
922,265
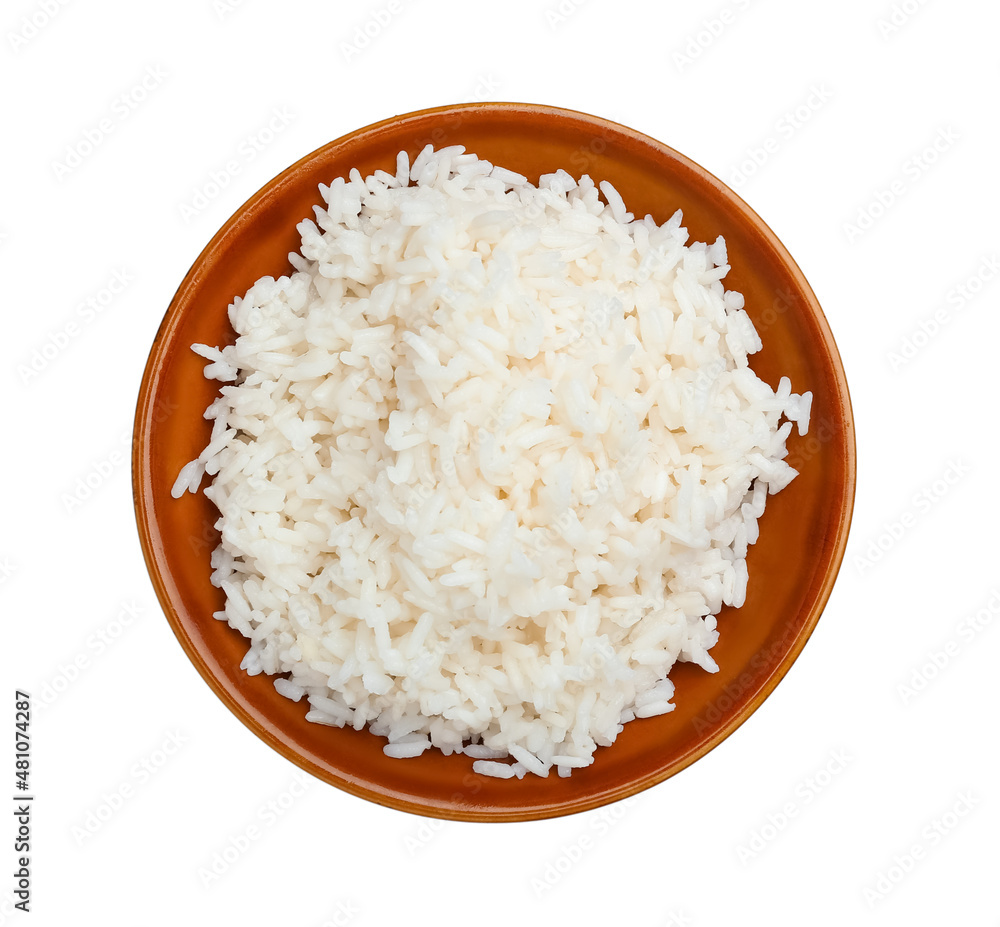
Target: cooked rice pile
x,y
488,462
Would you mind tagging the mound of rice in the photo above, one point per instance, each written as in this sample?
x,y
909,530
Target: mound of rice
x,y
488,462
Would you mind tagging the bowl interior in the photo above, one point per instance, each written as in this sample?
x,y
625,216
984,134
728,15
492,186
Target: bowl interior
x,y
791,568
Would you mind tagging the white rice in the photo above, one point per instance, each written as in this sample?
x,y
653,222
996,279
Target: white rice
x,y
488,463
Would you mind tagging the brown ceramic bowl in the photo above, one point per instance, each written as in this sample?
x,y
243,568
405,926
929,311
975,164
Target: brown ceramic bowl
x,y
792,568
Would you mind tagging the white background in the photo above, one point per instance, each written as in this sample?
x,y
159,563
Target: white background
x,y
837,802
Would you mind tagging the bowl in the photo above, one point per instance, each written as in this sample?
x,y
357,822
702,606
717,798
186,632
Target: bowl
x,y
792,568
